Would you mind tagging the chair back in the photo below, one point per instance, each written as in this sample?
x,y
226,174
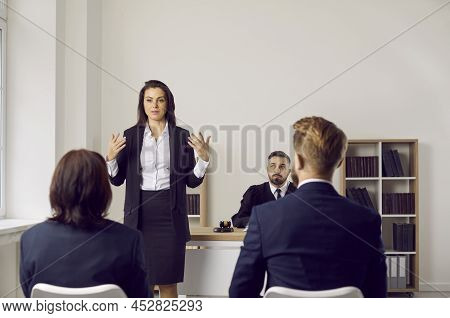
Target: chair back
x,y
102,291
284,292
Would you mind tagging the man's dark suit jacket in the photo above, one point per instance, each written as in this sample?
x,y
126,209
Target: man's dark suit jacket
x,y
255,195
182,163
312,239
66,256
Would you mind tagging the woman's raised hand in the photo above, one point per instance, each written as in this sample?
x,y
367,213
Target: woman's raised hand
x,y
200,145
116,144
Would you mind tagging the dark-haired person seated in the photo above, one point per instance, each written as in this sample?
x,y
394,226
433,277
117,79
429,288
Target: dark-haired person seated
x,y
78,247
278,169
314,239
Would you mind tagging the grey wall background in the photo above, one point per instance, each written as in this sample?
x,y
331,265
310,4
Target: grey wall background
x,y
228,63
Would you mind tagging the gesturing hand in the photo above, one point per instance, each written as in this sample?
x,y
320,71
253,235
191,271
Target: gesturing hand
x,y
200,145
116,144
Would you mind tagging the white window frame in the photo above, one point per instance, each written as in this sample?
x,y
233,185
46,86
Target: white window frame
x,y
3,118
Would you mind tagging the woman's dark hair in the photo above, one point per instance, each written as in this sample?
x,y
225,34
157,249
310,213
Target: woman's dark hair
x,y
80,192
170,114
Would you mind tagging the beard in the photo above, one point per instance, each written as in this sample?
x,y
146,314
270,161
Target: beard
x,y
277,179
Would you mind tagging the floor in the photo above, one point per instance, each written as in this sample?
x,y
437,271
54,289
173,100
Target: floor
x,y
424,295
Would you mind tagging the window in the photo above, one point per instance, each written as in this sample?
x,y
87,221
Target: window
x,y
2,115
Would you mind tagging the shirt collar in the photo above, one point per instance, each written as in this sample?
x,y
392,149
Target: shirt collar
x,y
283,188
148,132
313,180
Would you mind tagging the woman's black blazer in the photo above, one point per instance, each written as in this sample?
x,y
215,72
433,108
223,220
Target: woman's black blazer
x,y
182,163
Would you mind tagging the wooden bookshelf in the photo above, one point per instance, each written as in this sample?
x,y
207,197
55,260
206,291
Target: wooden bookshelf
x,y
199,219
379,184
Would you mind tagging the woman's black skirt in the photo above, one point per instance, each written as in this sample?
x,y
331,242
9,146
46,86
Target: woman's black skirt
x,y
164,254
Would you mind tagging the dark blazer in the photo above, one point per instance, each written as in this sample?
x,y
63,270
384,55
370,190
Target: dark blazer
x,y
63,255
312,239
182,163
255,195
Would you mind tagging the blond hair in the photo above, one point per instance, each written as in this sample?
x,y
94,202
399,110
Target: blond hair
x,y
320,142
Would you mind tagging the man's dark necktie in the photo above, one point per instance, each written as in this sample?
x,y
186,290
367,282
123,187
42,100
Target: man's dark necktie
x,y
278,191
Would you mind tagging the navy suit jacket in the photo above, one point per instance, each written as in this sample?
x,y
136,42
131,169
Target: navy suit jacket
x,y
182,163
255,195
312,239
63,255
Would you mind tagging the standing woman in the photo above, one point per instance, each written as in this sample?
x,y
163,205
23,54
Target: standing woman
x,y
156,158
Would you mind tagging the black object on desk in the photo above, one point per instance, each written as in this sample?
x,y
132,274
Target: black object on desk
x,y
225,227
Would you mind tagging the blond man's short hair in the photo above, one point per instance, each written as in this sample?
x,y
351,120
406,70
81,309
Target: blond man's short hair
x,y
320,142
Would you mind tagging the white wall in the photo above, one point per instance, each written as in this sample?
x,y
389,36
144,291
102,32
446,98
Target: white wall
x,y
30,128
30,120
235,62
94,75
228,63
75,88
53,101
53,95
79,80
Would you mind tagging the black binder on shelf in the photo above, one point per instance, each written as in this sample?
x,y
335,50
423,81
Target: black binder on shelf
x,y
369,202
398,163
403,237
193,204
387,164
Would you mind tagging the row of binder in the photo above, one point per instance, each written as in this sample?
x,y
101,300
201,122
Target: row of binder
x,y
361,196
398,273
193,204
399,203
403,235
361,167
392,165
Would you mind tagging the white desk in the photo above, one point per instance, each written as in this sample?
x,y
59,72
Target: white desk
x,y
210,261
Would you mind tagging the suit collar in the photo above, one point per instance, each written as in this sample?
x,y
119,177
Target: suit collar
x,y
318,186
140,137
291,188
174,146
313,180
165,132
267,191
